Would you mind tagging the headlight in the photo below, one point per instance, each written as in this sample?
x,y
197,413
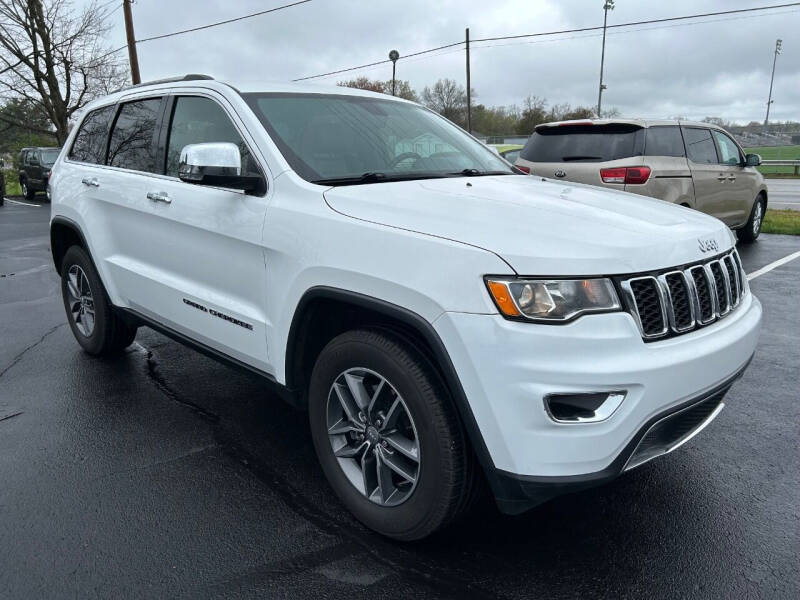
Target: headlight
x,y
552,300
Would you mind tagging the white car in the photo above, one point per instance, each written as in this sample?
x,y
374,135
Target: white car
x,y
446,320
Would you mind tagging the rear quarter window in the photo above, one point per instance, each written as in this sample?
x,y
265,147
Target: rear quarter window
x,y
664,141
584,143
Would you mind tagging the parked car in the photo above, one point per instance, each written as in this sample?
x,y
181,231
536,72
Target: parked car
x,y
445,319
34,169
508,151
694,164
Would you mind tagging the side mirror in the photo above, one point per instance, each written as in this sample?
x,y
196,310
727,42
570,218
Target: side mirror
x,y
216,164
752,160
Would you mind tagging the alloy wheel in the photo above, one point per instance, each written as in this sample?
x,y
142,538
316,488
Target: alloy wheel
x,y
373,436
757,217
81,301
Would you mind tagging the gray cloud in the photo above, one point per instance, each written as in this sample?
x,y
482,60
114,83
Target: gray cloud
x,y
719,68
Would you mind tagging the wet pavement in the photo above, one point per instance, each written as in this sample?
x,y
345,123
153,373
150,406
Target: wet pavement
x,y
164,474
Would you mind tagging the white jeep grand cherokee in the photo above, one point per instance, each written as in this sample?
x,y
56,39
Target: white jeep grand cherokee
x,y
446,319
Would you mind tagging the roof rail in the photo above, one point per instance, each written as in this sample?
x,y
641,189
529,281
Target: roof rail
x,y
188,77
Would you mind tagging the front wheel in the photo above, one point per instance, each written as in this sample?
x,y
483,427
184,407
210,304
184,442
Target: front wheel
x,y
387,436
751,230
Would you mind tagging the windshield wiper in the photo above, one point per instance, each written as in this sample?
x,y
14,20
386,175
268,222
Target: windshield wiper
x,y
580,157
378,177
479,173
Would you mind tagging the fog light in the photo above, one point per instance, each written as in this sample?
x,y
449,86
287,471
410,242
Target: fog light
x,y
591,407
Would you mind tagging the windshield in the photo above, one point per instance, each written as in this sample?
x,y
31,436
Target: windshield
x,y
50,155
584,143
345,140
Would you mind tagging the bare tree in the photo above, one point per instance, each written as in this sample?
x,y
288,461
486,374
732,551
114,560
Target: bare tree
x,y
403,88
448,99
55,57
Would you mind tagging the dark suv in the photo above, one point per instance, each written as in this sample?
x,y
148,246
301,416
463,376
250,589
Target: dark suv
x,y
34,169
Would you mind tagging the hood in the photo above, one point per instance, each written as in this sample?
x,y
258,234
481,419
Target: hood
x,y
541,227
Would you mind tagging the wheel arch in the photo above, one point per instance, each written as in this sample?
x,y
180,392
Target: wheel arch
x,y
324,312
64,233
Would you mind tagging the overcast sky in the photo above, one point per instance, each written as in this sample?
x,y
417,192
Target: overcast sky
x,y
720,67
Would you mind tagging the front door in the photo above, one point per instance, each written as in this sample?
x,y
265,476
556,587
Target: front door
x,y
202,265
740,180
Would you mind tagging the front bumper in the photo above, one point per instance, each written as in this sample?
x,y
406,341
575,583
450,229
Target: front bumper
x,y
507,368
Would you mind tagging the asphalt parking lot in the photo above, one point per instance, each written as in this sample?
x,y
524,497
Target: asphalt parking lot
x,y
164,474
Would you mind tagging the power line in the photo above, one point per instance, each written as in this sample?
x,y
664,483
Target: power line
x,y
647,22
225,22
551,33
380,62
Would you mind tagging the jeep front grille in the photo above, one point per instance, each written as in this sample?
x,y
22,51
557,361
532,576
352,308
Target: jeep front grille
x,y
677,301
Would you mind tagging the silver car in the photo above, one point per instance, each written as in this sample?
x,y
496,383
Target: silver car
x,y
694,164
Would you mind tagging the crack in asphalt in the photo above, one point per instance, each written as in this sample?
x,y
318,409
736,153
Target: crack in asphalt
x,y
10,416
19,356
160,382
377,548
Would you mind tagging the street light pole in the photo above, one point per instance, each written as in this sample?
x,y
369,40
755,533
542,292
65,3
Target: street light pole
x,y
778,44
469,94
393,56
608,5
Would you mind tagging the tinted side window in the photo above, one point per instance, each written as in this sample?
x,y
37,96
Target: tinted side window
x,y
197,120
584,143
664,141
699,146
728,150
90,142
133,137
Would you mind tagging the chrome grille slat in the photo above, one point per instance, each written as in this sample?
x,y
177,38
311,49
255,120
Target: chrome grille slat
x,y
678,301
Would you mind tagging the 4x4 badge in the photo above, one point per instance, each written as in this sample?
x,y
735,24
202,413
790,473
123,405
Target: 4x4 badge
x,y
560,173
707,245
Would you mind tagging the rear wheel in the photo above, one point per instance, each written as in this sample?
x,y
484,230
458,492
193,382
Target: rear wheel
x,y
751,230
387,437
26,190
91,317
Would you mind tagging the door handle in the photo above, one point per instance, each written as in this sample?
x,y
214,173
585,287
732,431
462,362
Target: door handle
x,y
159,197
90,182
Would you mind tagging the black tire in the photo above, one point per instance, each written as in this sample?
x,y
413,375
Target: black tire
x,y
447,470
109,333
29,193
752,229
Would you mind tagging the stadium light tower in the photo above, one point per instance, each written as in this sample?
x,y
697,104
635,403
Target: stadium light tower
x,y
607,5
778,44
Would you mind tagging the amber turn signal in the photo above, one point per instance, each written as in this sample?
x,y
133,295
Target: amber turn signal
x,y
502,297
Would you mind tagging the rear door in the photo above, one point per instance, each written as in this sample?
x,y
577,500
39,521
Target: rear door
x,y
740,182
708,175
577,152
34,169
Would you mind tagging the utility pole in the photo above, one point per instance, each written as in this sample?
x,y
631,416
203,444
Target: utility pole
x,y
778,44
608,5
469,94
132,56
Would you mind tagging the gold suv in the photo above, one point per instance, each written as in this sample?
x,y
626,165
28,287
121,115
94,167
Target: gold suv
x,y
693,164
